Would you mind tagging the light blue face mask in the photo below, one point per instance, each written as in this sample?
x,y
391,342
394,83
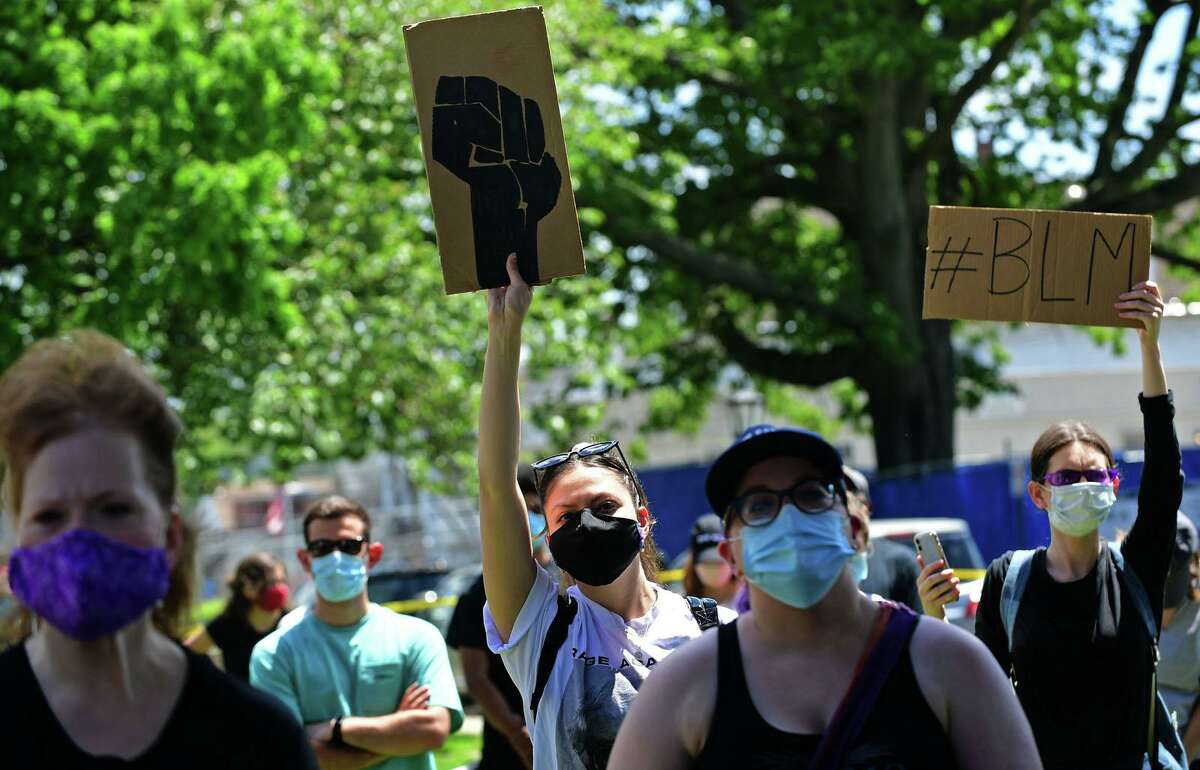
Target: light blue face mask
x,y
537,527
798,556
339,576
859,566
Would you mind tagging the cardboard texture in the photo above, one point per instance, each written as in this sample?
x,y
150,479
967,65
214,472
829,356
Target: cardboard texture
x,y
1031,265
494,149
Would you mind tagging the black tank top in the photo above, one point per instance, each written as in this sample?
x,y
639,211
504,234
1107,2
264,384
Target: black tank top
x,y
902,732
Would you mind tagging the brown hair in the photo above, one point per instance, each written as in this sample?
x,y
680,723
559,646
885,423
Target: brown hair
x,y
255,568
650,556
335,507
85,378
1062,434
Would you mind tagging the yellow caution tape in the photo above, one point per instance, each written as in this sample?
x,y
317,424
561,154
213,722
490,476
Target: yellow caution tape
x,y
421,604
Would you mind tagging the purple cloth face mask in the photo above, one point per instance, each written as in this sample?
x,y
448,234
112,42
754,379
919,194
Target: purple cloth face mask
x,y
87,585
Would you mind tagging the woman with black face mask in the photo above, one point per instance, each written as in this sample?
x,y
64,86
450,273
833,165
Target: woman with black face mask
x,y
579,657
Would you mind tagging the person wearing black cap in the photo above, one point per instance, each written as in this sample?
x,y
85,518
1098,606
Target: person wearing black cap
x,y
766,690
1179,643
706,572
891,571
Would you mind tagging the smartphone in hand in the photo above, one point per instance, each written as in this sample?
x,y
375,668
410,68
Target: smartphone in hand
x,y
929,546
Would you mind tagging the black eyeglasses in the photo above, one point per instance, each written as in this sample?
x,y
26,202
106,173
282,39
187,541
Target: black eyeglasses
x,y
758,509
350,545
591,450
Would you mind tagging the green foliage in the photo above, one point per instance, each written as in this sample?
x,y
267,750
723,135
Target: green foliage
x,y
236,190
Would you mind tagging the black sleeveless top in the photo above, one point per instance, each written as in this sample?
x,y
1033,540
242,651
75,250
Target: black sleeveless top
x,y
902,732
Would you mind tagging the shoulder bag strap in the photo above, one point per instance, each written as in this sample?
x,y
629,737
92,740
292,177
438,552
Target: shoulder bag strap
x,y
889,638
555,636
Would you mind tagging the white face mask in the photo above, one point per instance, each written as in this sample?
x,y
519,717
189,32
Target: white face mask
x,y
1080,509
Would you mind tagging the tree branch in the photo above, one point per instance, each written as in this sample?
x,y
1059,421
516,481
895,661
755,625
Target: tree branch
x,y
807,369
1173,257
734,13
1114,129
1172,115
982,75
716,268
1157,197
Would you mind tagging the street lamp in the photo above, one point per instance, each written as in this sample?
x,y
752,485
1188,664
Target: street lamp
x,y
745,409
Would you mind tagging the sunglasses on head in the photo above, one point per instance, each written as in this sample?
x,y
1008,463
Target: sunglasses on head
x,y
761,507
591,450
349,545
1072,476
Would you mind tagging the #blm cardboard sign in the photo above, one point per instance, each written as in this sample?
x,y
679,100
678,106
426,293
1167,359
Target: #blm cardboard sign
x,y
1031,265
494,149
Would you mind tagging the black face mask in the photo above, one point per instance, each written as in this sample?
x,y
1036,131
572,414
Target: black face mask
x,y
595,548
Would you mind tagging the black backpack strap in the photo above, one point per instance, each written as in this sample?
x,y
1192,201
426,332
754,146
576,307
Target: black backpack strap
x,y
555,636
704,611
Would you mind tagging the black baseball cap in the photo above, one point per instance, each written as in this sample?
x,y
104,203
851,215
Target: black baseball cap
x,y
758,443
1187,540
707,533
856,482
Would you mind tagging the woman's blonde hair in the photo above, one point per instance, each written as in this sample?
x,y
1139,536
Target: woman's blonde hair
x,y
85,378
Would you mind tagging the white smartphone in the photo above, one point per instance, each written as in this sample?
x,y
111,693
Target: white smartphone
x,y
929,546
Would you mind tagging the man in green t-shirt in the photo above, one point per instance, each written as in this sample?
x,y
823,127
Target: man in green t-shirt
x,y
373,687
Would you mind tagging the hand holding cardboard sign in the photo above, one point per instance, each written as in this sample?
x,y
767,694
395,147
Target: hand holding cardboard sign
x,y
492,139
1144,303
508,305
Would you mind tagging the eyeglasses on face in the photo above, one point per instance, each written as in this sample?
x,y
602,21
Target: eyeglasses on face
x,y
759,508
591,450
349,545
1071,476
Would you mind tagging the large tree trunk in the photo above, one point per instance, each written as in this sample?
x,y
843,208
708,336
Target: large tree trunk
x,y
912,407
908,377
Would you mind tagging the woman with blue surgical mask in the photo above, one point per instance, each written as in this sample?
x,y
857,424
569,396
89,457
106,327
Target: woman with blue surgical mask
x,y
816,674
1075,624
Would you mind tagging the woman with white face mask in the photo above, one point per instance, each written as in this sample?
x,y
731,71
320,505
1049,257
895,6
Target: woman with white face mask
x,y
816,674
1070,632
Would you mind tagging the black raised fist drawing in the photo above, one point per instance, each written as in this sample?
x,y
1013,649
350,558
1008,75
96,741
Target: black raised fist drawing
x,y
492,139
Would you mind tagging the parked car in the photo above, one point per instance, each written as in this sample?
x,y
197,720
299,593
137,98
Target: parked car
x,y
961,552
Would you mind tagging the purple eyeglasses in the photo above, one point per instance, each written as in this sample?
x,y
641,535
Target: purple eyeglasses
x,y
1072,476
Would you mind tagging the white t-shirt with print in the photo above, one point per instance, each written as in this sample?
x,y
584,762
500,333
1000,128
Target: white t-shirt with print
x,y
597,672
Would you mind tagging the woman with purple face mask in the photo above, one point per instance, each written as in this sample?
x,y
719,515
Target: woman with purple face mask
x,y
1075,624
101,572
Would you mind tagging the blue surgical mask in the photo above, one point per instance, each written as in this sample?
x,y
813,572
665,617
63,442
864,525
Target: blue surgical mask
x,y
537,527
1080,509
798,557
339,576
859,567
